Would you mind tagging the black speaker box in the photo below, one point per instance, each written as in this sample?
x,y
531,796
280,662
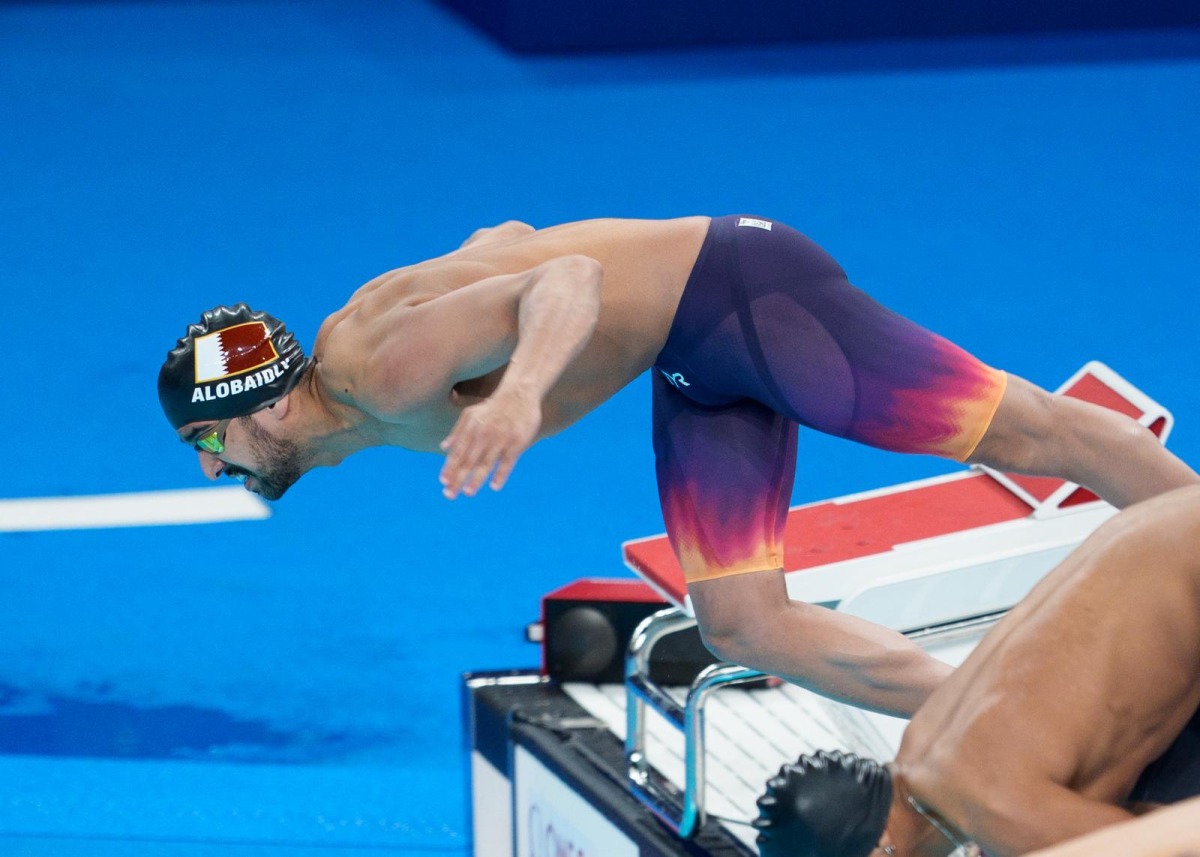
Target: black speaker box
x,y
587,626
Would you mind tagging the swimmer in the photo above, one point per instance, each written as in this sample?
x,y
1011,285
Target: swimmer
x,y
1171,832
750,331
1079,708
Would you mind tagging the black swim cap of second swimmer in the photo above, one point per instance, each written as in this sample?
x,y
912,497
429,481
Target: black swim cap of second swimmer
x,y
233,362
824,805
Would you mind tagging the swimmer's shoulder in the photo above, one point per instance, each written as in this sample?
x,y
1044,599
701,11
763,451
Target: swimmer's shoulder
x,y
373,310
1173,512
349,348
372,351
1180,510
1161,532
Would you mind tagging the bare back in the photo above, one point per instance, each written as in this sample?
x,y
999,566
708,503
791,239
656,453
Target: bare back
x,y
1088,680
645,263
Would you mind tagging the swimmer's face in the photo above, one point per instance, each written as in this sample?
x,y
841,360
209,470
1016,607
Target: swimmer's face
x,y
246,451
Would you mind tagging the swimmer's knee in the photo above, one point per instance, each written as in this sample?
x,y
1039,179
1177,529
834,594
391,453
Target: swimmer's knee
x,y
723,646
735,615
729,638
1027,424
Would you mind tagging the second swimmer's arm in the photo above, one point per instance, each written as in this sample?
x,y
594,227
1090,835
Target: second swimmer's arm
x,y
1167,832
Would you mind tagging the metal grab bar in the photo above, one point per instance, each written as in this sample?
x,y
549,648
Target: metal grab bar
x,y
683,813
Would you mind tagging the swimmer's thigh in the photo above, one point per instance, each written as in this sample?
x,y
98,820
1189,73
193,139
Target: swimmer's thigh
x,y
725,479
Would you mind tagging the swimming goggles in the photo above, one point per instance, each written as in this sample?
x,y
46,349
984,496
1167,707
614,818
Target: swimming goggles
x,y
213,440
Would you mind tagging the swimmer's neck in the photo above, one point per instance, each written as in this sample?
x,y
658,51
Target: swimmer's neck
x,y
331,429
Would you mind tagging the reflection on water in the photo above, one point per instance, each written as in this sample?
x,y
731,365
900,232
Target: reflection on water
x,y
47,724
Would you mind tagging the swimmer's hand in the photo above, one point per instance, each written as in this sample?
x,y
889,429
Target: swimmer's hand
x,y
489,437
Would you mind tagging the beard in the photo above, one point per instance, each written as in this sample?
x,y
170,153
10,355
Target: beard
x,y
283,461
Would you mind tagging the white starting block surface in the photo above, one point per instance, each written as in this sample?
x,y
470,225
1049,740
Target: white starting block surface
x,y
939,559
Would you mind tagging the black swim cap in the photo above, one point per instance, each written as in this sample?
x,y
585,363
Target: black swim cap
x,y
235,361
825,805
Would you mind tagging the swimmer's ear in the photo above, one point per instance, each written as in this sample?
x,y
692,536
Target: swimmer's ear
x,y
279,410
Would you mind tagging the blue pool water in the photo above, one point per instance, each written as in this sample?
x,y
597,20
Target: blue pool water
x,y
291,685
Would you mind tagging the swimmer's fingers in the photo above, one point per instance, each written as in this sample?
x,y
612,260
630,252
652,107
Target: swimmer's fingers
x,y
488,437
459,457
505,468
462,458
477,474
498,460
461,477
485,456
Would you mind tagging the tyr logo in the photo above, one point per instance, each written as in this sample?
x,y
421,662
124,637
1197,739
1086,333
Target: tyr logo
x,y
676,379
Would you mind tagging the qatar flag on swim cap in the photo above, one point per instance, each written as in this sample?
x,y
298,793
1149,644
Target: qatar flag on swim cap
x,y
234,350
231,363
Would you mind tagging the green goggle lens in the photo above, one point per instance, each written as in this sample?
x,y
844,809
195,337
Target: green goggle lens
x,y
211,443
213,440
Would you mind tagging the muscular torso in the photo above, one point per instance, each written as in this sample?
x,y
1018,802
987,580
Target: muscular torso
x,y
1082,685
646,265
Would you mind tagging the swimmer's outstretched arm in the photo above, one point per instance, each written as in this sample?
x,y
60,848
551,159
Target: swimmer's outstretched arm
x,y
1019,819
490,234
748,619
1170,832
557,311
